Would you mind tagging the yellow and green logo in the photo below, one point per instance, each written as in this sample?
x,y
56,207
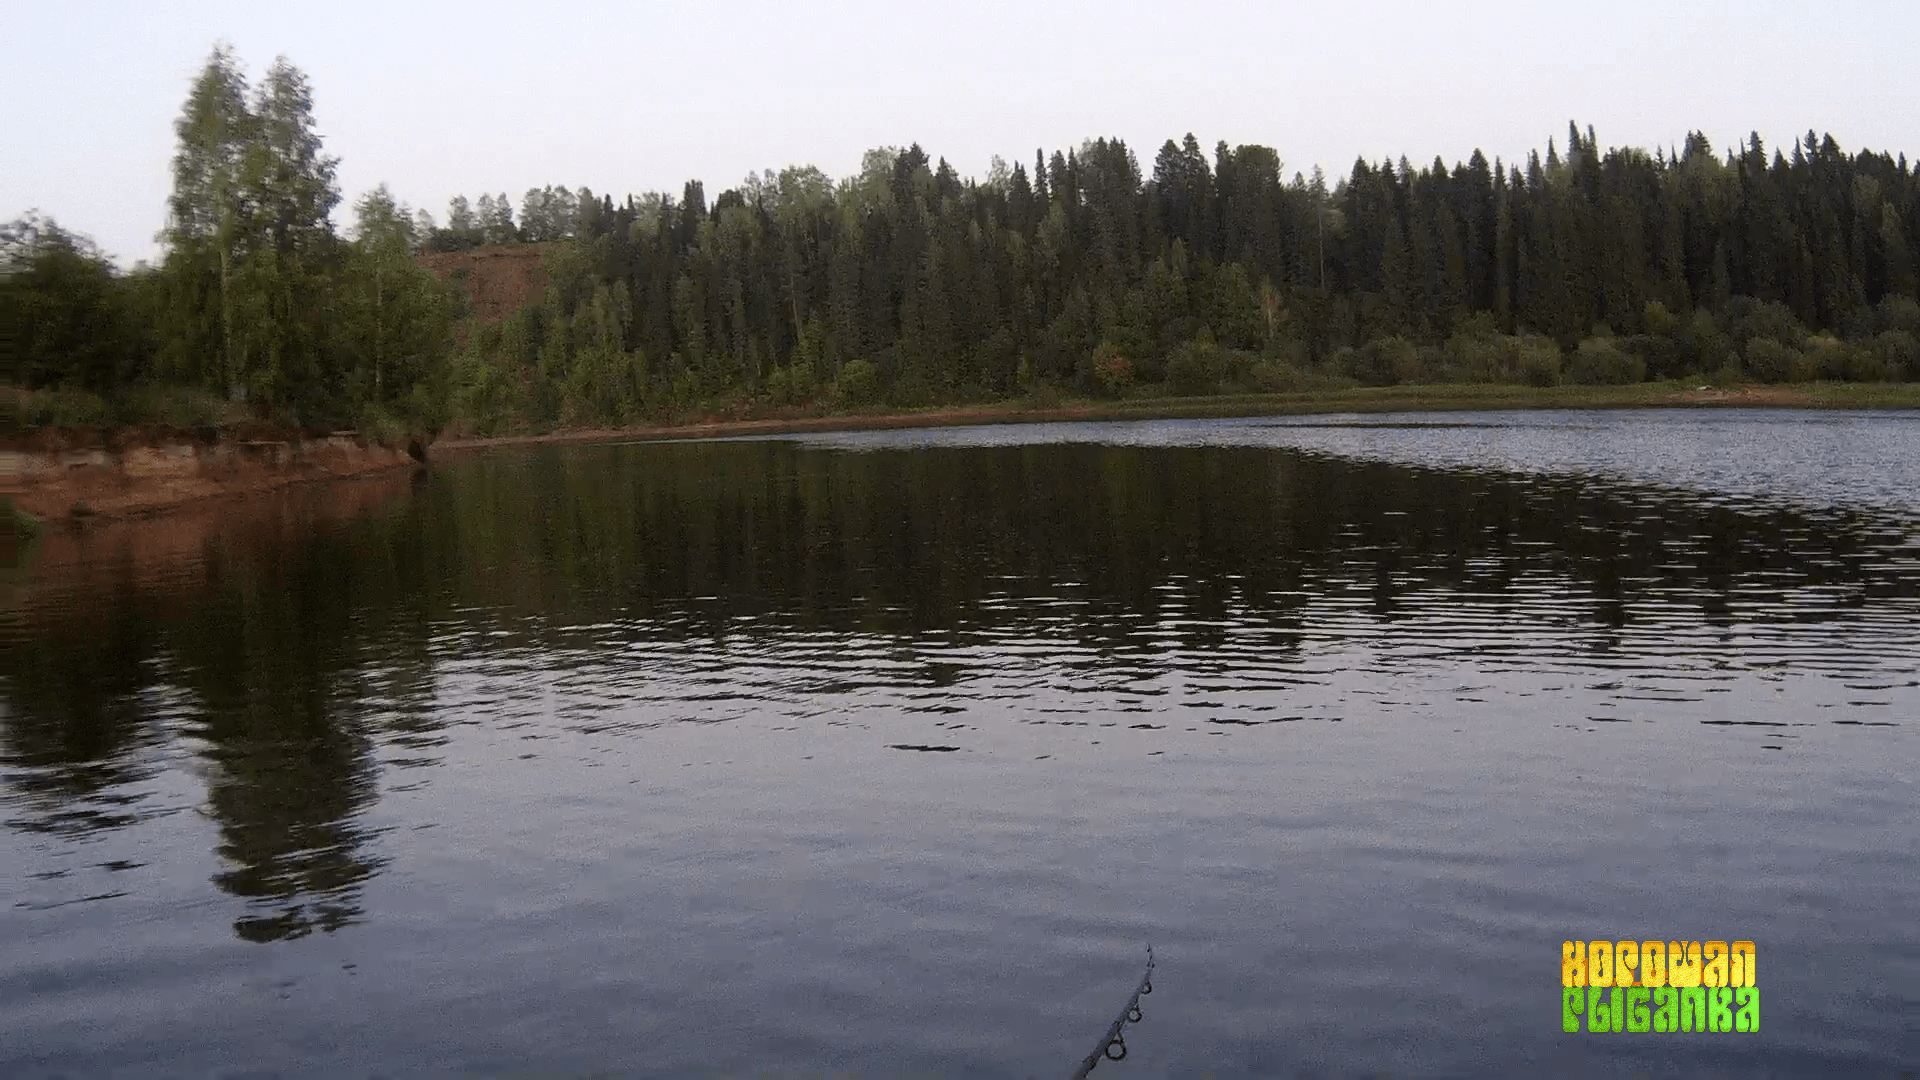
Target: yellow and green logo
x,y
1658,986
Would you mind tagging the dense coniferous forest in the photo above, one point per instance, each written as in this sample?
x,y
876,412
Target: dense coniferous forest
x,y
1084,273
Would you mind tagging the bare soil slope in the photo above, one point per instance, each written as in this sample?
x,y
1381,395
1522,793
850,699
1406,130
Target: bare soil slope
x,y
497,279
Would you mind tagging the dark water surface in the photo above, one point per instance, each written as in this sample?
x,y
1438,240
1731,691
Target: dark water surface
x,y
887,752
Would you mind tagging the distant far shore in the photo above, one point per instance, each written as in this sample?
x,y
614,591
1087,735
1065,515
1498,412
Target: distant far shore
x,y
1369,399
85,477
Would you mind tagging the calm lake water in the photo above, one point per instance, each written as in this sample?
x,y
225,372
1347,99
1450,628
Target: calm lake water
x,y
889,752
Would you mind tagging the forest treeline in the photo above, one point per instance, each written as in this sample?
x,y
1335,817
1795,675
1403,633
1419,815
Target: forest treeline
x,y
909,284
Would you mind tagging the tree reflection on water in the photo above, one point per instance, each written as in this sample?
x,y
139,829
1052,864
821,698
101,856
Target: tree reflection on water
x,y
284,645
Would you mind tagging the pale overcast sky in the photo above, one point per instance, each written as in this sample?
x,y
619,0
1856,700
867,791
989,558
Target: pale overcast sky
x,y
437,99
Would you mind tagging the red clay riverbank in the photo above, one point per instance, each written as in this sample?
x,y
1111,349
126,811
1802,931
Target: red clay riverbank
x,y
136,477
168,550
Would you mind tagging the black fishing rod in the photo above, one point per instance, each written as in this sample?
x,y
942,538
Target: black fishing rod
x,y
1129,1013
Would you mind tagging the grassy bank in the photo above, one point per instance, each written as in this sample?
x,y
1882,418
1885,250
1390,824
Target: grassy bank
x,y
15,521
1823,395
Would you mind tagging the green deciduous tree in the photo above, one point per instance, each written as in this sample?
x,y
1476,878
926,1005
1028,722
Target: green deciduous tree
x,y
250,246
